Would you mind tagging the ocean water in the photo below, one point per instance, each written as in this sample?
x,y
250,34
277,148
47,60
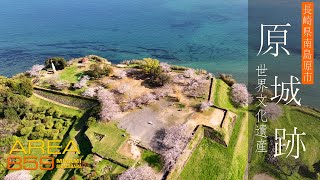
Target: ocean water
x,y
202,34
207,34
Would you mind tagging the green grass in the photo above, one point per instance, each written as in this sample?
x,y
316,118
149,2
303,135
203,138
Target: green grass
x,y
305,120
67,100
77,135
152,159
63,110
108,146
221,96
113,169
70,74
213,160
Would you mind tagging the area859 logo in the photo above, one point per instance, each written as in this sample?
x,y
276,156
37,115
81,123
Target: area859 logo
x,y
43,155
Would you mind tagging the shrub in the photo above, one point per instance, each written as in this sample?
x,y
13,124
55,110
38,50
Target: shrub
x,y
139,173
151,66
99,70
240,95
273,111
316,167
21,85
58,85
25,131
11,114
58,125
47,119
37,135
59,63
49,133
97,58
178,68
305,172
39,127
56,114
159,80
50,111
228,79
35,70
49,124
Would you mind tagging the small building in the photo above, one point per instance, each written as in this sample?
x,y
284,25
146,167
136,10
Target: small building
x,y
84,60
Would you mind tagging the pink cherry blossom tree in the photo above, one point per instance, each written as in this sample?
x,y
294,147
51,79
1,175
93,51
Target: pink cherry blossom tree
x,y
19,175
204,106
120,74
82,83
109,108
195,87
123,89
189,73
172,144
240,95
139,173
92,91
273,111
35,70
165,67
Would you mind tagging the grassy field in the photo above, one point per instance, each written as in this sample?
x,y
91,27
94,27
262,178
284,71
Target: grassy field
x,y
77,135
67,100
221,96
305,120
213,160
70,74
152,159
42,103
112,139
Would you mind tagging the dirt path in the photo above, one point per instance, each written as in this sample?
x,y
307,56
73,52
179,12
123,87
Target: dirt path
x,y
55,102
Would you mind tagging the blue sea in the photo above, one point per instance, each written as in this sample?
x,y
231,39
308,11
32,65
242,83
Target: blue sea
x,y
206,34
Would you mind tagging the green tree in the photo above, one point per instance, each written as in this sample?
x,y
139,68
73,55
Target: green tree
x,y
21,85
50,111
49,124
40,127
99,70
26,131
58,125
151,66
59,63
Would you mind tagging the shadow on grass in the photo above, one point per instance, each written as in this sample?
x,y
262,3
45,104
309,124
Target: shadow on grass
x,y
83,142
